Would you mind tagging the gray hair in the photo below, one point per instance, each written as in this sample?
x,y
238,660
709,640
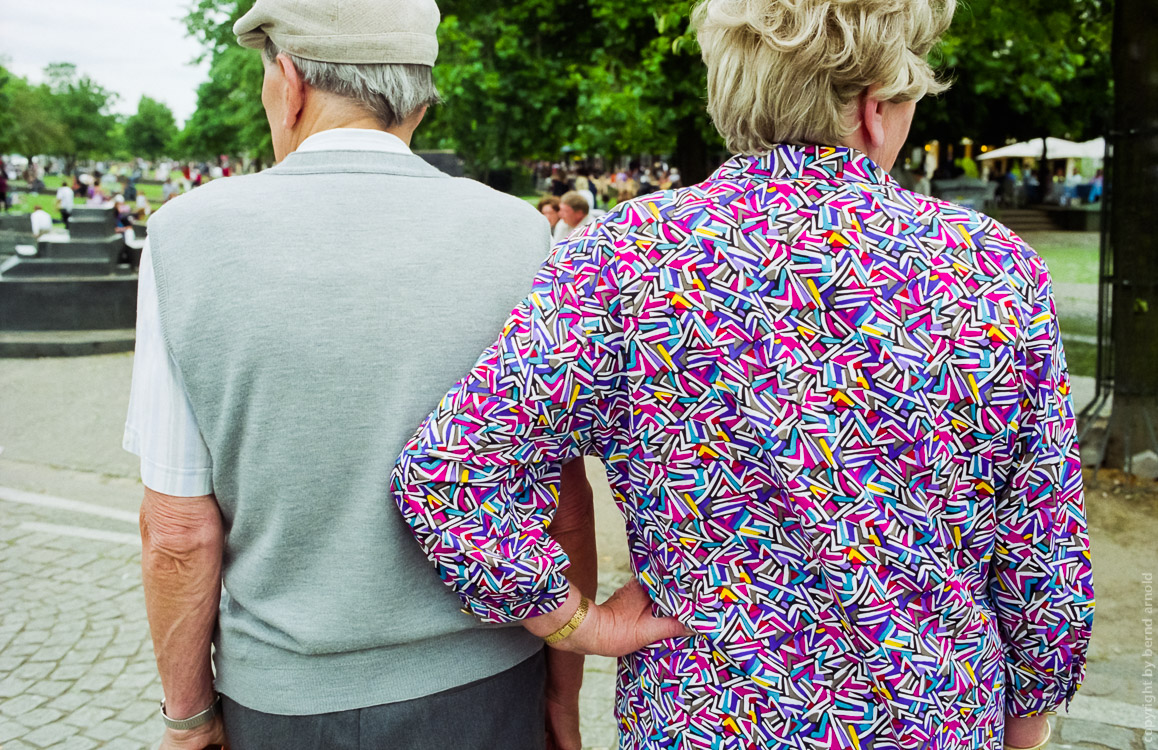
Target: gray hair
x,y
391,92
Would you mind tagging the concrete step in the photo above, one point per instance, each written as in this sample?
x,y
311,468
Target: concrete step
x,y
1026,220
28,344
19,267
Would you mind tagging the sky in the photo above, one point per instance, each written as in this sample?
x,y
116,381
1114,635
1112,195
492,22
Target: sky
x,y
131,47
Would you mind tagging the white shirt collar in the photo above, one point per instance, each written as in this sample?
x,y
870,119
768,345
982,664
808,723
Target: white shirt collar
x,y
354,139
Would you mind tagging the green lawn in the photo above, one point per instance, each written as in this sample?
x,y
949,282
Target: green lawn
x,y
26,203
1072,257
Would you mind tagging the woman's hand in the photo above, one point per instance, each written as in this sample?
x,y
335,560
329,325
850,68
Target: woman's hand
x,y
622,624
1025,731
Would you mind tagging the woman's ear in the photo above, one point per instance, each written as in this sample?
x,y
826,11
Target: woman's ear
x,y
871,119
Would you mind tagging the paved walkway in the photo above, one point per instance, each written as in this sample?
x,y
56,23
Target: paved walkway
x,y
76,668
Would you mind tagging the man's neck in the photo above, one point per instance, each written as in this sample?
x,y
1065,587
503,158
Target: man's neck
x,y
312,123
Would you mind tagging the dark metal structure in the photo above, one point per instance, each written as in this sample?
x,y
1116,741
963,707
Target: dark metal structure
x,y
1108,284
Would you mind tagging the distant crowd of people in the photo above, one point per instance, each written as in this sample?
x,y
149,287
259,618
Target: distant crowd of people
x,y
575,197
105,186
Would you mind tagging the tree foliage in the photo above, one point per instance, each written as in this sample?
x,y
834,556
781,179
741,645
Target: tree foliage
x,y
29,123
150,133
229,118
82,106
68,115
1023,69
529,79
532,79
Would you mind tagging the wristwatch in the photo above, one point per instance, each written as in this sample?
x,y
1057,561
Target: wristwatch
x,y
195,720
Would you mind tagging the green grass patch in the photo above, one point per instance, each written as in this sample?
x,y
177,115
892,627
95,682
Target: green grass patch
x,y
1072,257
1081,356
26,203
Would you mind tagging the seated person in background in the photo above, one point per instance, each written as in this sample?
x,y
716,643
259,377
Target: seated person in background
x,y
168,189
575,212
549,206
41,222
124,214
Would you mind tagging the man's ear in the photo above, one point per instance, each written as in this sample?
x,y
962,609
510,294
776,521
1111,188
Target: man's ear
x,y
871,123
294,93
421,114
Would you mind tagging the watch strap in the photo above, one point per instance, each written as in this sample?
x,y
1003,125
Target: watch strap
x,y
196,720
572,624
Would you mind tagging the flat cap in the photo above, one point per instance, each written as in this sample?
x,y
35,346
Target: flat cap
x,y
345,31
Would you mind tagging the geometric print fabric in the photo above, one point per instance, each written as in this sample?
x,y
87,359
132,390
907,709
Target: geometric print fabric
x,y
836,417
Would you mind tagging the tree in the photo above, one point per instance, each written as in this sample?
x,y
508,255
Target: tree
x,y
83,109
150,133
1133,237
508,74
652,52
229,118
30,123
606,77
1022,69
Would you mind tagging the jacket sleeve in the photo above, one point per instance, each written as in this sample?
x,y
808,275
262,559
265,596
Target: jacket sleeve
x,y
478,482
1040,574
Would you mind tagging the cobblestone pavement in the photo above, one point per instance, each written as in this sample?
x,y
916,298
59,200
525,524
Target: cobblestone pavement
x,y
76,664
76,667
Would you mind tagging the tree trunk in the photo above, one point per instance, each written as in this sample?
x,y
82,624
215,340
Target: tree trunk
x,y
1134,232
1044,173
691,153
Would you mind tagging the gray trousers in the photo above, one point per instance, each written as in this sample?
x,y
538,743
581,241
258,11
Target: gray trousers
x,y
504,712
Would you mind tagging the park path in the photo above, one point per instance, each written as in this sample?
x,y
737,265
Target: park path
x,y
76,663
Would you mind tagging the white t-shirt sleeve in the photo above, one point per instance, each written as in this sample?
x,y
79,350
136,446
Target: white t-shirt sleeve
x,y
161,427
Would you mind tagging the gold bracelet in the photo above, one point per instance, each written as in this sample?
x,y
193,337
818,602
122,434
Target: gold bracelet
x,y
1038,746
572,624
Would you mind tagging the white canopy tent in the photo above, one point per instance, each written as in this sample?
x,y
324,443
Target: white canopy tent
x,y
1056,148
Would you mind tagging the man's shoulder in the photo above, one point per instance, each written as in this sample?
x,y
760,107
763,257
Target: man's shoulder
x,y
208,201
487,197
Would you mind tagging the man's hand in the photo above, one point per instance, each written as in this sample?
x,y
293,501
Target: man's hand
x,y
563,721
205,736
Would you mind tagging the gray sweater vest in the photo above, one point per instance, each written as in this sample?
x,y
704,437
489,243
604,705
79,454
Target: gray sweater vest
x,y
317,313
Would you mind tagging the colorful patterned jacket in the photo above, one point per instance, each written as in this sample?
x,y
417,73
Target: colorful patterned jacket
x,y
836,418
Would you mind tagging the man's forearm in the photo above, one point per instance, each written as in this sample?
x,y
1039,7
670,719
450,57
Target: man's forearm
x,y
574,530
182,541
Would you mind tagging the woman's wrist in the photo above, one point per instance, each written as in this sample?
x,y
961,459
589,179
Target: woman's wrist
x,y
544,625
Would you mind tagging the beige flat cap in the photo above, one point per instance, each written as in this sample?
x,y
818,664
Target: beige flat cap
x,y
345,31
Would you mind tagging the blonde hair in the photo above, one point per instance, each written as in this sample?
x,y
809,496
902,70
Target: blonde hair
x,y
787,71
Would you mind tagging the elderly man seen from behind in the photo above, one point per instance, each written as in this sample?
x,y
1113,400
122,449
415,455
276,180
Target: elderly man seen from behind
x,y
276,361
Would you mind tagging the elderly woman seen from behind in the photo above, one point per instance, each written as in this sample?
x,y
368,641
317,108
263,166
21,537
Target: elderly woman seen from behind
x,y
835,415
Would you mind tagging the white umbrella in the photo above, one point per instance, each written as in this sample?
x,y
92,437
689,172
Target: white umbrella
x,y
1057,148
1095,149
